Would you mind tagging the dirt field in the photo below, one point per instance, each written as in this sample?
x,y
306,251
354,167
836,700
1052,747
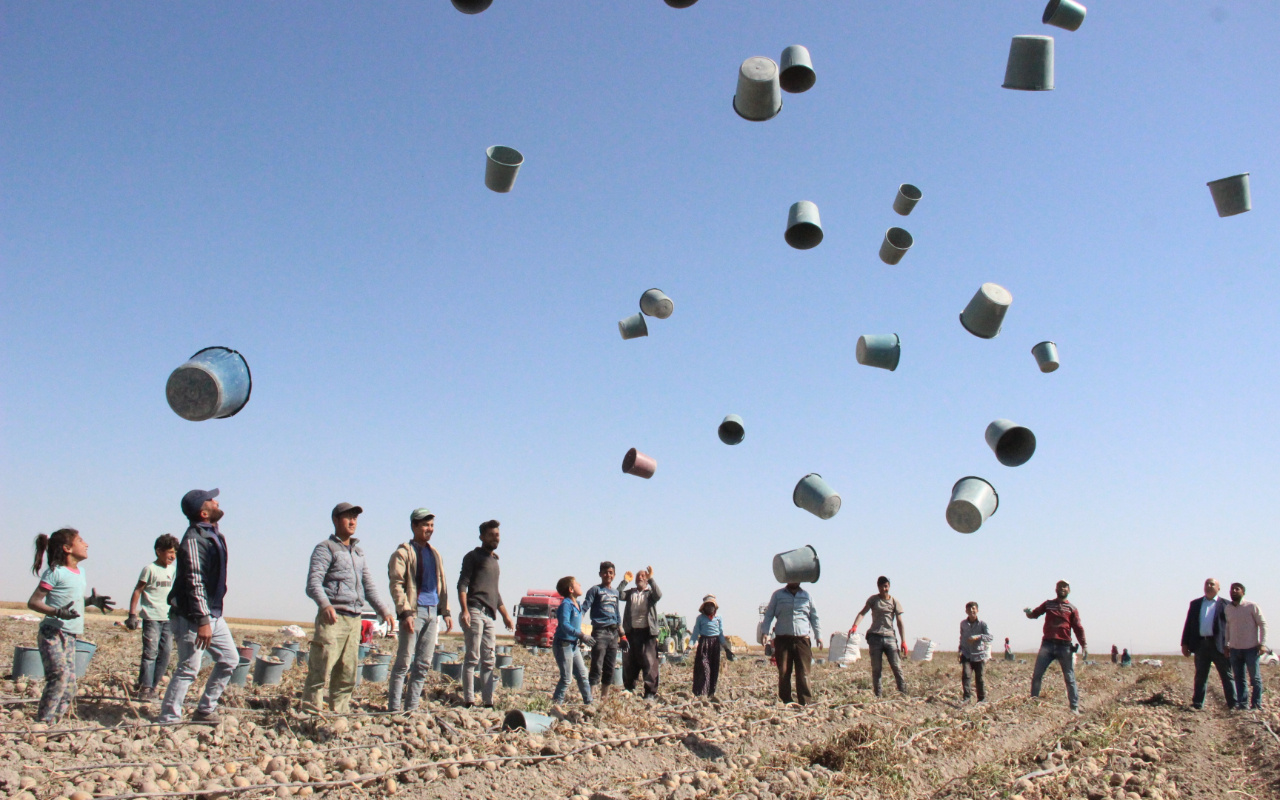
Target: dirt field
x,y
1136,738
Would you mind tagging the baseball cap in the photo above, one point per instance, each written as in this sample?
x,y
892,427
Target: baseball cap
x,y
343,508
419,514
193,501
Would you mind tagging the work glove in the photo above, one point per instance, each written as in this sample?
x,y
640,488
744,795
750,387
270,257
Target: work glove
x,y
67,612
132,622
903,647
853,630
589,641
729,654
99,601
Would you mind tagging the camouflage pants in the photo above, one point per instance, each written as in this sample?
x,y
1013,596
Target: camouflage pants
x,y
58,654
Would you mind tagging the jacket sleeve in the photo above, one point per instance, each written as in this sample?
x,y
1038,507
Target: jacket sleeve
x,y
987,638
1038,611
373,594
321,558
396,571
1189,629
1078,627
587,600
655,594
696,632
190,553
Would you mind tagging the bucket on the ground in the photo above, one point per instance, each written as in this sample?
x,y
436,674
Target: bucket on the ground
x,y
654,303
897,241
285,656
908,196
816,496
303,657
533,723
381,658
1030,65
472,6
267,671
638,464
633,327
797,566
254,646
452,669
759,96
512,677
500,660
973,501
84,654
1231,195
213,384
796,70
501,166
246,652
617,670
27,663
362,651
502,649
879,350
240,675
1046,354
375,671
294,646
442,657
731,430
984,315
1013,444
1065,14
804,226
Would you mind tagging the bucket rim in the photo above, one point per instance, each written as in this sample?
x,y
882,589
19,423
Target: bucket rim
x,y
1228,178
247,370
775,113
496,148
984,480
975,333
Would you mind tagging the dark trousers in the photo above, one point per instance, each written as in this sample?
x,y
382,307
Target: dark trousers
x,y
1207,654
604,654
794,653
971,673
642,656
157,645
706,666
884,647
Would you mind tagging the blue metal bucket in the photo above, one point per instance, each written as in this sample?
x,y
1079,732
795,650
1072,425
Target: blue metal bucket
x,y
286,656
213,384
797,566
364,651
533,723
381,658
375,671
879,350
442,657
27,663
266,673
500,661
731,430
512,677
240,675
84,654
816,496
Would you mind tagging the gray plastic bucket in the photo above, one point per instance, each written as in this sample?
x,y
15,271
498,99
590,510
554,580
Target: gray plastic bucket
x,y
501,660
816,496
796,67
247,652
440,658
973,501
362,651
1046,354
84,654
879,350
452,669
381,658
984,315
1231,195
1065,14
908,196
501,165
302,658
759,96
654,303
287,657
472,6
804,227
27,663
296,647
533,723
254,646
240,675
267,673
617,670
1013,444
895,245
633,327
731,430
375,671
1030,65
214,383
797,566
638,464
502,649
512,677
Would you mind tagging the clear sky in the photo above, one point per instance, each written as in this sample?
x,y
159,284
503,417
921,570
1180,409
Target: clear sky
x,y
304,183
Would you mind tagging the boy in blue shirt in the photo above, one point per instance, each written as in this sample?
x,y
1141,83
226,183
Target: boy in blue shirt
x,y
600,605
568,634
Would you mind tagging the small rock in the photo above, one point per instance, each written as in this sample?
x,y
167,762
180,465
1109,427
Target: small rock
x,y
81,796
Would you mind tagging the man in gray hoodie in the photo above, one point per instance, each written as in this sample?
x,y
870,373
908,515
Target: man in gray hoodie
x,y
339,581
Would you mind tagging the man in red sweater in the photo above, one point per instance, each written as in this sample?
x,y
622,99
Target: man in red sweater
x,y
1060,619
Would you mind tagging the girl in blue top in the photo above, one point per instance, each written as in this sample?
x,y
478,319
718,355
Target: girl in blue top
x,y
568,634
708,638
60,597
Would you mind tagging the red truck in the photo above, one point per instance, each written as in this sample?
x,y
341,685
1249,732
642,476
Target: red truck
x,y
536,618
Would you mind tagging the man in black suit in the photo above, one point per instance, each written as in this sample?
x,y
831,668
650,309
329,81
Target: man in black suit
x,y
1204,635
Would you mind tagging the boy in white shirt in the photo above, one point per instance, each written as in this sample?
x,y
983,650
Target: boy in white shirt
x,y
152,594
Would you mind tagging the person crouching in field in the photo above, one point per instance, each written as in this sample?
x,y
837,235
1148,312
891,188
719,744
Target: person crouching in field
x,y
60,597
151,597
975,651
568,634
707,640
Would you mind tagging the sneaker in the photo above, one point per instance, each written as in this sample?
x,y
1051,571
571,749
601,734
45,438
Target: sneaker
x,y
1256,708
206,718
1075,710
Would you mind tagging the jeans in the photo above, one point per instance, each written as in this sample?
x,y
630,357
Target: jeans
x,y
604,655
881,647
971,673
335,653
157,645
1242,660
569,660
420,645
1207,654
1060,652
58,657
479,637
794,654
225,659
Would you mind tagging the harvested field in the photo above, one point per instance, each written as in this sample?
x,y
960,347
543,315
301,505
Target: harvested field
x,y
1136,738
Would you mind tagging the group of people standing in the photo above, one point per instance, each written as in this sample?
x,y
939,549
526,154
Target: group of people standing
x,y
1230,636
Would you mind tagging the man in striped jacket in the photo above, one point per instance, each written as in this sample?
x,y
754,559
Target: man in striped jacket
x,y
195,610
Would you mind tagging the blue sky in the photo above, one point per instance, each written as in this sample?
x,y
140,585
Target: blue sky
x,y
304,183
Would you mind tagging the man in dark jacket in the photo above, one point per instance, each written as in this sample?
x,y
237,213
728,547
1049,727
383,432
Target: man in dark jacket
x,y
195,604
640,624
1204,635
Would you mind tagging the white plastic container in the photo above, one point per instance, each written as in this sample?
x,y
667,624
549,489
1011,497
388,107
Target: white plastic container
x,y
923,649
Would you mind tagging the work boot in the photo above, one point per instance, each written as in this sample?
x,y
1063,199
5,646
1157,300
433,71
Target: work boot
x,y
206,718
146,694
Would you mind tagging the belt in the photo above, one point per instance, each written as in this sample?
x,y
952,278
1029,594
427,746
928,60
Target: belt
x,y
604,627
478,606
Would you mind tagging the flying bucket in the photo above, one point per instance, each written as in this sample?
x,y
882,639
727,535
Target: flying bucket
x,y
472,6
633,327
797,566
1065,14
895,245
500,661
985,313
240,675
1013,444
973,501
213,384
814,495
731,430
797,73
654,303
1231,195
638,464
1046,354
27,663
267,671
533,723
681,3
879,350
907,198
759,96
501,165
804,228
1030,65
84,654
512,677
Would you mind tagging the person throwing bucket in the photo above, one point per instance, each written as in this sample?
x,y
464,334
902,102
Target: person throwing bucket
x,y
881,641
1060,620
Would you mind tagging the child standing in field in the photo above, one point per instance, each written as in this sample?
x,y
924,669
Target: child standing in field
x,y
975,651
60,597
708,640
568,634
152,594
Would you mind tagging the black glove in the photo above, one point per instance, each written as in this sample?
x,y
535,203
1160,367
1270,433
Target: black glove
x,y
587,640
132,622
67,612
729,654
99,601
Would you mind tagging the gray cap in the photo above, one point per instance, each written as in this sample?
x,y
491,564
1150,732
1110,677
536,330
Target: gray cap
x,y
343,508
420,514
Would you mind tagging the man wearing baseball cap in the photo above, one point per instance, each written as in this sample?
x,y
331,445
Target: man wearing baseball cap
x,y
339,581
421,598
195,610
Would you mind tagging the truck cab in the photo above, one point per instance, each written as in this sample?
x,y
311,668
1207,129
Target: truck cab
x,y
536,618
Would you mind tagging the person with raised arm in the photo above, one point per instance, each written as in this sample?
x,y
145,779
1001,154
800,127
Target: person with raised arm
x,y
1061,619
